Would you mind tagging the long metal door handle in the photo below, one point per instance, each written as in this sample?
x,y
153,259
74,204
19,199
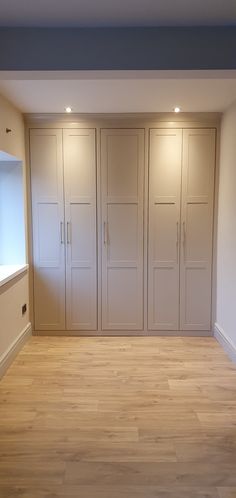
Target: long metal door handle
x,y
62,232
184,239
177,240
104,233
68,232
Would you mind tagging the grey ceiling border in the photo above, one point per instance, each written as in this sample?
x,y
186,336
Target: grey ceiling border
x,y
197,48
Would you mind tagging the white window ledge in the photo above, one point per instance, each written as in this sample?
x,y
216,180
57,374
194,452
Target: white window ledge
x,y
8,272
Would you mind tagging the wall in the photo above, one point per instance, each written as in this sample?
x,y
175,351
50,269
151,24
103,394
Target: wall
x,y
14,142
13,327
226,244
12,229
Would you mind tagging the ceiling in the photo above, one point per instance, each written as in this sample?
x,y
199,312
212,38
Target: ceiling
x,y
122,91
61,13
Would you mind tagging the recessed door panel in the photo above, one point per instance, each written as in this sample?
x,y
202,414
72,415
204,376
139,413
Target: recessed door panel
x,y
48,228
164,229
80,159
122,164
197,298
199,151
165,233
80,209
196,228
123,306
165,290
199,238
49,233
46,164
81,222
81,290
165,159
49,312
122,233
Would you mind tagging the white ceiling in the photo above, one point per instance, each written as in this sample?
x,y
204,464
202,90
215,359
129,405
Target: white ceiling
x,y
104,92
117,12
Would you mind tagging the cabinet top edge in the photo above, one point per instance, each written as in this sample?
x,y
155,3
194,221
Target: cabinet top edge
x,y
144,120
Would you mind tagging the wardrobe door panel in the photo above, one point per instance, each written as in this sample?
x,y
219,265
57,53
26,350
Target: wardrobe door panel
x,y
164,228
122,162
122,171
48,228
122,304
122,221
198,242
80,304
80,209
81,222
197,303
48,247
165,232
197,226
49,304
165,303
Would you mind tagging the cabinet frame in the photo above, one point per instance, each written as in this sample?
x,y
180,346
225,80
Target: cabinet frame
x,y
71,181
146,121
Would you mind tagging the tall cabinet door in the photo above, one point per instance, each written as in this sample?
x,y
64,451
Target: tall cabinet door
x,y
48,228
197,225
80,215
122,164
164,228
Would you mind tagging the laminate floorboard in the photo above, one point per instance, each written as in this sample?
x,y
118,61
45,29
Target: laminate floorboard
x,y
127,417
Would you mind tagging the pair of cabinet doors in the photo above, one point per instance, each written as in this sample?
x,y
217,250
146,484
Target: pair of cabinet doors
x,y
68,242
63,184
181,190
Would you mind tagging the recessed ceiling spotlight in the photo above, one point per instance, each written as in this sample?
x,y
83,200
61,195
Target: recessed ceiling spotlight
x,y
177,109
68,109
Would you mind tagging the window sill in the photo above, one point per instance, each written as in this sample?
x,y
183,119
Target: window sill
x,y
9,272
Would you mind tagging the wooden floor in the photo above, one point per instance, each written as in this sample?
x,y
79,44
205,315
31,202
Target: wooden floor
x,y
118,418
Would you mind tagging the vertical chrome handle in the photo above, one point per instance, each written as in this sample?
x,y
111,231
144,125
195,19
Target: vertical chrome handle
x,y
68,241
104,233
177,240
184,239
62,232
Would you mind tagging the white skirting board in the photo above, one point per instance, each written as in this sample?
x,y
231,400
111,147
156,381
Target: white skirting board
x,y
125,333
7,358
225,342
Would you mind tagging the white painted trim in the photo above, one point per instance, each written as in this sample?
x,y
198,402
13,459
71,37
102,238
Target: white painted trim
x,y
225,342
120,333
8,272
7,358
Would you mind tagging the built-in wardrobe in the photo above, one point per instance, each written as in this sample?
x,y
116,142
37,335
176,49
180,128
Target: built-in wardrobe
x,y
122,222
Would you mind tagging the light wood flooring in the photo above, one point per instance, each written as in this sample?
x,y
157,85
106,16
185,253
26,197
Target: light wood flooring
x,y
118,418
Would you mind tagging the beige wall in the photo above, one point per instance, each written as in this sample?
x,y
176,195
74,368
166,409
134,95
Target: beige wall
x,y
13,142
226,244
12,296
15,293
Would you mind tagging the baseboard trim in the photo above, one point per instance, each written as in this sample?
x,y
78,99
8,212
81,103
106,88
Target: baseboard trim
x,y
124,333
7,358
225,342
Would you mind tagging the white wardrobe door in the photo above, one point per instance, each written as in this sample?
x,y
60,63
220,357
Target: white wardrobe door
x,y
80,206
164,229
122,162
48,228
197,224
